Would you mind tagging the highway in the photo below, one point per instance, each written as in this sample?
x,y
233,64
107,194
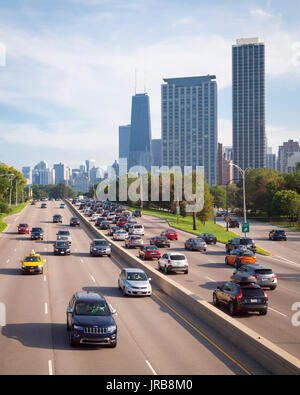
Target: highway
x,y
208,270
155,335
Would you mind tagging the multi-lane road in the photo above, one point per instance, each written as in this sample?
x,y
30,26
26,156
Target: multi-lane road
x,y
208,270
155,335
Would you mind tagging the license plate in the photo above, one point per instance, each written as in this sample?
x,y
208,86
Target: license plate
x,y
31,270
253,300
265,279
62,252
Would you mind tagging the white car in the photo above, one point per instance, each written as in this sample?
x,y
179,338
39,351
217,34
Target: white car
x,y
134,282
120,235
131,220
94,217
111,217
137,230
173,262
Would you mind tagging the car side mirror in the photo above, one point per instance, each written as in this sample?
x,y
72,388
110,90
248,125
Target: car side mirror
x,y
150,279
69,310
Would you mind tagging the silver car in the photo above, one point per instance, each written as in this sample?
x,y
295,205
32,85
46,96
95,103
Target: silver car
x,y
134,241
120,235
134,282
64,235
195,244
259,274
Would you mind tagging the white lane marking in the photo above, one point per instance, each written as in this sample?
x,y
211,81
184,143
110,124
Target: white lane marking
x,y
7,261
50,368
93,278
210,279
283,259
45,278
15,250
151,368
81,260
278,312
46,308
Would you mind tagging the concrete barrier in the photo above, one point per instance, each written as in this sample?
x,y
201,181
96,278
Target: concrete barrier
x,y
266,353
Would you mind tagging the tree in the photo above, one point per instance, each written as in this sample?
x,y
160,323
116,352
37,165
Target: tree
x,y
219,195
286,203
208,210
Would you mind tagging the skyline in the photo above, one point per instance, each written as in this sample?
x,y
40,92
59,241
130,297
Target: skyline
x,y
62,99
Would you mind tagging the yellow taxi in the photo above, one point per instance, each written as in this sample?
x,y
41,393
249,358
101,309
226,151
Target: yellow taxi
x,y
32,263
240,257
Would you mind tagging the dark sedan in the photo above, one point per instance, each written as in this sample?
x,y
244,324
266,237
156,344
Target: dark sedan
x,y
104,225
241,298
57,218
37,234
160,241
209,238
277,235
74,221
62,248
100,247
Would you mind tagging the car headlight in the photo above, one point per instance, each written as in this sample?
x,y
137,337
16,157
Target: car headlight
x,y
77,327
111,328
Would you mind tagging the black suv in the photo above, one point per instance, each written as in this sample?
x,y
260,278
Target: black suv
x,y
100,247
241,298
74,221
90,320
237,242
57,218
137,213
277,235
37,234
62,248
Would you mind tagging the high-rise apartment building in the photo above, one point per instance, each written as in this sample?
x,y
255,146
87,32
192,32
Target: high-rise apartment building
x,y
140,134
248,104
156,152
124,140
60,173
189,124
284,152
27,173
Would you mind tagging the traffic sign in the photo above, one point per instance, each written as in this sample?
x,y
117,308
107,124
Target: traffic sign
x,y
245,227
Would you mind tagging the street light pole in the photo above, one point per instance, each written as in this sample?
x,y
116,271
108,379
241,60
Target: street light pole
x,y
243,172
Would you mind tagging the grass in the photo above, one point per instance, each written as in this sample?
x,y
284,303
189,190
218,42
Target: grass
x,y
14,210
186,224
289,225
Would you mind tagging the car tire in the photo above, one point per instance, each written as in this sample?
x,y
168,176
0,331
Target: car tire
x,y
71,341
187,271
263,313
165,269
231,309
226,261
215,300
273,288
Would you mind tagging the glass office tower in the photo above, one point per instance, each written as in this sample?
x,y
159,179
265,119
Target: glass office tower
x,y
248,104
189,124
140,134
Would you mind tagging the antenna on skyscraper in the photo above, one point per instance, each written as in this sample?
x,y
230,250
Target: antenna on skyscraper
x,y
145,77
135,80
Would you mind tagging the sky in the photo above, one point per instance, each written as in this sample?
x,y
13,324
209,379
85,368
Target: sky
x,y
68,67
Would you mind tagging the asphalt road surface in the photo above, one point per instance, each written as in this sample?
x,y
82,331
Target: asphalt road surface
x,y
208,270
153,337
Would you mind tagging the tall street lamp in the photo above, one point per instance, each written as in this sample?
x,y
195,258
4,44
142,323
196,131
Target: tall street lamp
x,y
243,172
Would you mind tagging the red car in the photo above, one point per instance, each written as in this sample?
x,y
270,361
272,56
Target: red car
x,y
122,222
149,252
170,234
23,229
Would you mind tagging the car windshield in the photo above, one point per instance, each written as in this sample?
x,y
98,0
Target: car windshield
x,y
280,232
32,259
263,271
151,248
62,244
177,257
246,241
64,233
23,225
136,276
138,226
92,308
252,292
74,219
246,253
36,229
100,243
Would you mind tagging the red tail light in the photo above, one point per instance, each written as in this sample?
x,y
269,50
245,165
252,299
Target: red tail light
x,y
274,276
240,295
266,295
169,261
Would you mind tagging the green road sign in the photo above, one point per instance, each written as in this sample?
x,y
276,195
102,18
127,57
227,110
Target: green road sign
x,y
245,227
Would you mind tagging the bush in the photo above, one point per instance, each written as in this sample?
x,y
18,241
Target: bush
x,y
4,207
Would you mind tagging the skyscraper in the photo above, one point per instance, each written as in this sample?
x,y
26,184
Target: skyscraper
x,y
248,104
189,124
124,139
284,152
140,134
156,152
